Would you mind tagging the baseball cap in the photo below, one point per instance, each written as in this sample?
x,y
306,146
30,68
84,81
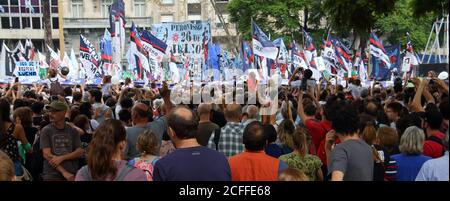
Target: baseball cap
x,y
57,105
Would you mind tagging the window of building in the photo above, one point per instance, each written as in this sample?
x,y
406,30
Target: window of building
x,y
54,6
36,22
15,22
14,2
139,8
77,8
26,22
167,18
55,23
166,1
5,23
105,8
194,9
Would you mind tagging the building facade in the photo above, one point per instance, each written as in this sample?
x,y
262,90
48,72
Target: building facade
x,y
91,18
19,21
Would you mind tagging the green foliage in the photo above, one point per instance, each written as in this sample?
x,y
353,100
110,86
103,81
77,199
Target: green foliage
x,y
395,25
356,15
274,17
423,7
347,18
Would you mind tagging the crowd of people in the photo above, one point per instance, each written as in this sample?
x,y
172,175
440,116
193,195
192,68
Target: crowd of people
x,y
322,132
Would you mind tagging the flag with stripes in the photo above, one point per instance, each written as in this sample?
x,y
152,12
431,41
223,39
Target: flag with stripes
x,y
29,50
156,48
106,47
298,58
377,50
262,46
310,49
138,53
89,58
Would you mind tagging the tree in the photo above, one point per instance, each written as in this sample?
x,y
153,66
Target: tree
x,y
275,17
401,20
47,28
356,16
423,7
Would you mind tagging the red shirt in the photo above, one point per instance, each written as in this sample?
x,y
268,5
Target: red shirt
x,y
317,130
321,151
253,166
432,148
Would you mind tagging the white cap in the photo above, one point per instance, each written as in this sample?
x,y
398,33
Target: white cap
x,y
443,75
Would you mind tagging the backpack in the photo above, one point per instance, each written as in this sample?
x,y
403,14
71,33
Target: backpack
x,y
56,88
217,138
124,172
439,141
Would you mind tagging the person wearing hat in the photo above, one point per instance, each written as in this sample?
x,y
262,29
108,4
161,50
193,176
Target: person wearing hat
x,y
61,145
433,146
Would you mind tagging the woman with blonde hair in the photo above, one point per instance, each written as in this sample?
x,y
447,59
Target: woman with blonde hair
x,y
300,159
147,145
411,158
285,139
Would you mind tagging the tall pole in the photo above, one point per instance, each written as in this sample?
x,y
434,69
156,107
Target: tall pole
x,y
61,31
47,29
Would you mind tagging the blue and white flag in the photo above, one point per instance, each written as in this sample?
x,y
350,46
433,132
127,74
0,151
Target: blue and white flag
x,y
262,46
155,47
377,50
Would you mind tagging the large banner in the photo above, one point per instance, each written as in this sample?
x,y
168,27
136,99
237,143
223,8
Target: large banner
x,y
184,38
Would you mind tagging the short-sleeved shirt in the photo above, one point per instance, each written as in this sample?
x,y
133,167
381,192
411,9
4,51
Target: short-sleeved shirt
x,y
255,166
354,158
61,142
135,174
316,131
408,166
308,164
434,170
192,164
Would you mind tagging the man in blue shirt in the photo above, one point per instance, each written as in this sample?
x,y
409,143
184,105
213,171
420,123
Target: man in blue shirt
x,y
190,161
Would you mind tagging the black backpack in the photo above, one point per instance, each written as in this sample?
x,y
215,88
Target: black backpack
x,y
439,141
56,88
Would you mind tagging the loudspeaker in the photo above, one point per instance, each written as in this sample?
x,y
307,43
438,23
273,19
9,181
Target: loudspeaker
x,y
438,68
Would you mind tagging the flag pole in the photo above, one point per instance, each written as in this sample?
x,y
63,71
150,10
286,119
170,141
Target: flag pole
x,y
61,32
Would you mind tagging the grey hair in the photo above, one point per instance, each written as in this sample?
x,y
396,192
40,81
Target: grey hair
x,y
157,103
252,112
412,141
